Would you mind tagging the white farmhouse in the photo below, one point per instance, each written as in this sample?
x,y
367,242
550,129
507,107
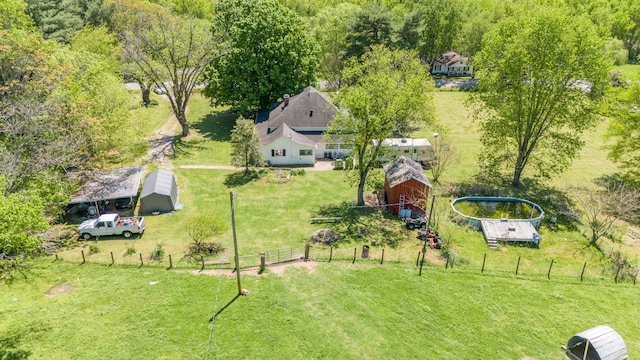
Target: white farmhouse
x,y
451,64
292,132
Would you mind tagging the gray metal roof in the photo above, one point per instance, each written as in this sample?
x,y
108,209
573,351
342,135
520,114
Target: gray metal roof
x,y
158,182
108,185
309,109
605,343
404,169
284,130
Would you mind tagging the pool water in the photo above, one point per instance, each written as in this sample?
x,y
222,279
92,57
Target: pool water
x,y
487,209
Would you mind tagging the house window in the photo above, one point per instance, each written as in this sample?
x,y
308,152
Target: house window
x,y
278,152
406,151
333,146
346,146
306,152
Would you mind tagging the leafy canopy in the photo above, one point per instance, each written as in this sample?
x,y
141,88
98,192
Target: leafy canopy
x,y
540,75
245,144
268,53
389,94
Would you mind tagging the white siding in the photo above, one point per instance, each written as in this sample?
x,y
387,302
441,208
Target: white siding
x,y
291,153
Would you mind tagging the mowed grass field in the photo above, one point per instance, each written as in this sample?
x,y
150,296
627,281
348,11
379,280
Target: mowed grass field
x,y
337,309
329,310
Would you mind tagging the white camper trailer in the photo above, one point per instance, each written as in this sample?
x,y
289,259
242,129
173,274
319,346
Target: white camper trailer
x,y
419,150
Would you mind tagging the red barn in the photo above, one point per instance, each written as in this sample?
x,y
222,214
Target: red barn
x,y
406,186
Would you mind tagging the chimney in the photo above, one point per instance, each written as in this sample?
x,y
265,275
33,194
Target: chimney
x,y
286,99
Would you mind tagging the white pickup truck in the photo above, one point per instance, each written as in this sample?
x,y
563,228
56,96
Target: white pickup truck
x,y
111,224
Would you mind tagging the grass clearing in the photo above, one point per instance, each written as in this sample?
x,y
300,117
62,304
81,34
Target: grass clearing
x,y
359,311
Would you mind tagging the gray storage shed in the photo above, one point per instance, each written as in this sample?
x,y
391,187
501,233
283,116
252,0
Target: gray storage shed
x,y
159,193
598,343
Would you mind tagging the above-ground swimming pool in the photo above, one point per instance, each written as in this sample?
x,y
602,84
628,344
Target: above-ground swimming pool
x,y
472,210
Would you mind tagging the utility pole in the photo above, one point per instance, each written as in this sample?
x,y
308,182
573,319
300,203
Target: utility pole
x,y
235,244
424,246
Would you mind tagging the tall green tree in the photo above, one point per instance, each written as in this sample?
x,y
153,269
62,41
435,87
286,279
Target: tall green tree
x,y
389,93
372,25
268,53
245,144
60,19
625,129
626,26
13,15
330,28
442,20
540,74
172,52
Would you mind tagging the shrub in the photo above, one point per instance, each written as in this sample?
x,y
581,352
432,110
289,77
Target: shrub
x,y
297,172
205,249
93,249
158,253
131,250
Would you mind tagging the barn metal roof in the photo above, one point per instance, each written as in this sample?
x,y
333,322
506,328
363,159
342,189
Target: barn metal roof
x,y
603,340
108,184
158,182
404,169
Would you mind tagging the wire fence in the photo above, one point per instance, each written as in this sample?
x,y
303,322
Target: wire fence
x,y
491,263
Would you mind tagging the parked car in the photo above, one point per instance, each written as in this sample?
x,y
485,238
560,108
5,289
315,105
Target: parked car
x,y
160,90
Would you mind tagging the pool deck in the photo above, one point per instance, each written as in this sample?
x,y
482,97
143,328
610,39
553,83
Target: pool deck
x,y
509,231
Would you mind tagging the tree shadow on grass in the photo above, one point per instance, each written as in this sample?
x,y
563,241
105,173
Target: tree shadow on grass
x,y
553,201
182,147
9,348
216,126
364,224
243,177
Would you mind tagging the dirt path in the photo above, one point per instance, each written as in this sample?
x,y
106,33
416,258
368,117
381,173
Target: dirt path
x,y
277,269
162,145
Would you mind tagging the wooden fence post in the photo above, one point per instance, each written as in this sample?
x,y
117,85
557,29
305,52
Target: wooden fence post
x,y
617,272
141,263
170,262
202,261
262,262
306,251
549,272
330,253
355,250
518,266
483,261
382,259
83,259
582,273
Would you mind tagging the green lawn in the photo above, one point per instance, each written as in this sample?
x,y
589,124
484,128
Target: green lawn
x,y
211,128
631,71
339,309
332,310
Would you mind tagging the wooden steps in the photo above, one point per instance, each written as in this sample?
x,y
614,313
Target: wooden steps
x,y
492,243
